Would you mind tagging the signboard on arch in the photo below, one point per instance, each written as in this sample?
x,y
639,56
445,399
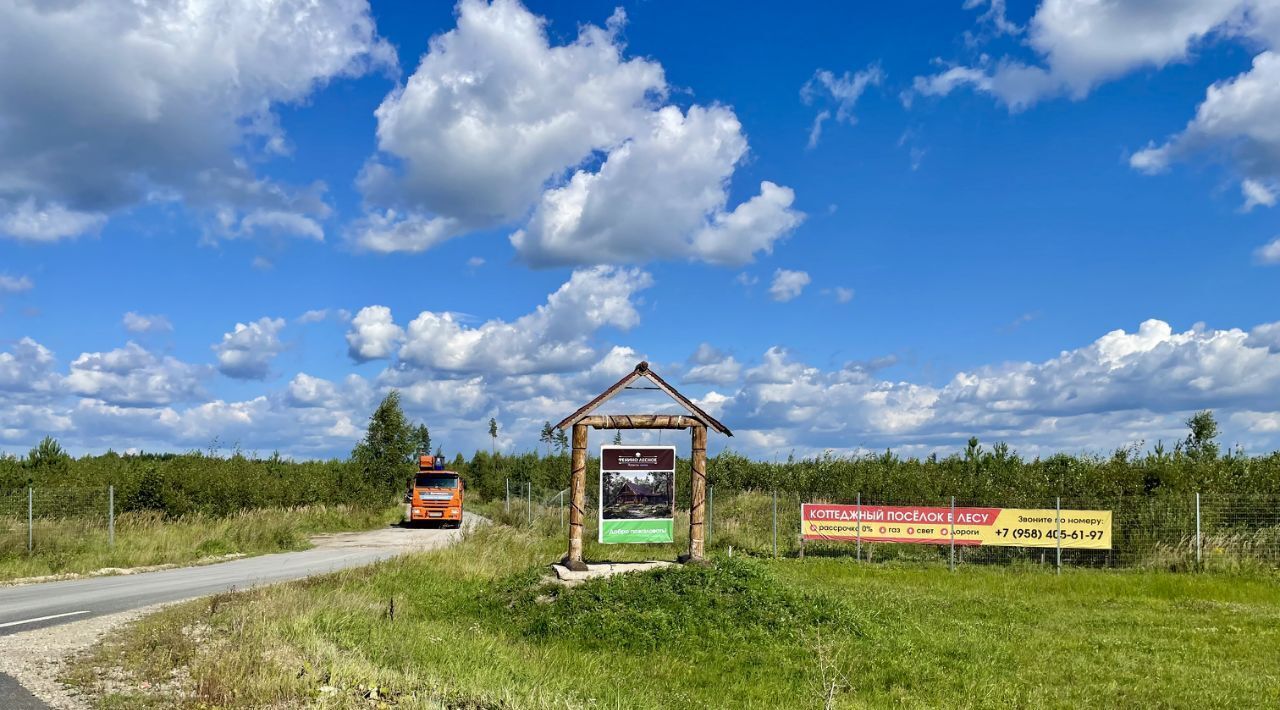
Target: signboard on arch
x,y
637,494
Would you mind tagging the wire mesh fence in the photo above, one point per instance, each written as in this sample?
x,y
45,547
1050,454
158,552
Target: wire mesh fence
x,y
32,516
1169,532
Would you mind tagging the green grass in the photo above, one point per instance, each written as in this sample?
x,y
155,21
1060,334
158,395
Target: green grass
x,y
476,626
77,546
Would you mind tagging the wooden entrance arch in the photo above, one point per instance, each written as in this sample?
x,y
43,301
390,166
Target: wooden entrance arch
x,y
697,421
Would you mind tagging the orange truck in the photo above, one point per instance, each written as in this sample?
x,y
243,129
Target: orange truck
x,y
434,495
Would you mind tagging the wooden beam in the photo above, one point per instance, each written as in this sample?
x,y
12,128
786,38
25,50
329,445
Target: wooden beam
x,y
697,493
639,421
577,499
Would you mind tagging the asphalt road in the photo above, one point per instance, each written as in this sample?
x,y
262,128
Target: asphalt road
x,y
33,606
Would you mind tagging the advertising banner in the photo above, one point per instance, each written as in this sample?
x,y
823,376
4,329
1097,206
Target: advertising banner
x,y
1004,527
637,494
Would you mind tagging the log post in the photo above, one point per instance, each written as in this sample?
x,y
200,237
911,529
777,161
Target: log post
x,y
697,492
577,499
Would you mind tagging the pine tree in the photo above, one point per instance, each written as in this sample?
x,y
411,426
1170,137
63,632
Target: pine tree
x,y
547,436
385,454
561,441
617,437
422,438
493,436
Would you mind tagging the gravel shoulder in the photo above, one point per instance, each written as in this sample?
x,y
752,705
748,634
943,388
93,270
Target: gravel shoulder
x,y
36,658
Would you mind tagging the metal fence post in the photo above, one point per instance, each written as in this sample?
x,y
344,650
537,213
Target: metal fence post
x,y
111,516
562,509
1058,519
508,480
711,497
953,533
30,535
528,501
775,522
859,553
1198,538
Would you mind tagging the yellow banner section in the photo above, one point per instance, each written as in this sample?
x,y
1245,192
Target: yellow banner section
x,y
1004,527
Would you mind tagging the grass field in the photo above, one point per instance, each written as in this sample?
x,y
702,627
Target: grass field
x,y
476,626
78,546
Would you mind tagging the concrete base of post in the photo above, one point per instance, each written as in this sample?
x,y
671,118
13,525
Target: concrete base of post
x,y
573,565
687,559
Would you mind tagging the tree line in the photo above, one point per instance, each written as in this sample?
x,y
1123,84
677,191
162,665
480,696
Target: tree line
x,y
382,461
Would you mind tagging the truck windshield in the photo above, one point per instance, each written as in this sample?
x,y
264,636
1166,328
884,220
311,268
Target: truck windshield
x,y
436,480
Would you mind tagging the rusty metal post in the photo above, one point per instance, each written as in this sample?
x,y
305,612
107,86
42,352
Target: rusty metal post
x,y
577,498
697,493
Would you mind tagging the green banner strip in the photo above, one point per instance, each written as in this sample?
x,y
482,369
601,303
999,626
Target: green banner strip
x,y
616,531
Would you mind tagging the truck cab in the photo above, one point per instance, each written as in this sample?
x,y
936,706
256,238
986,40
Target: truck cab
x,y
434,494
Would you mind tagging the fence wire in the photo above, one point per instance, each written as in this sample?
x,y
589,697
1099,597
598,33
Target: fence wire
x,y
33,518
1168,532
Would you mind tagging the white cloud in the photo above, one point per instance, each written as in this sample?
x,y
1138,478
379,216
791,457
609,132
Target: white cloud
x,y
139,323
787,284
842,294
1257,193
179,98
247,351
683,162
1269,253
1236,121
713,367
1083,43
494,111
497,124
313,316
553,338
134,377
1123,387
15,284
373,335
843,91
27,368
388,232
48,222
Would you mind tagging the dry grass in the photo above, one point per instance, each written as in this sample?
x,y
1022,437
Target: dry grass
x,y
74,545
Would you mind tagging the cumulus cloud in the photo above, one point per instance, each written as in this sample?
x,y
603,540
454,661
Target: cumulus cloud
x,y
1236,122
841,91
107,105
139,323
498,123
27,368
132,376
683,163
1082,43
1123,387
554,337
711,366
374,335
787,284
15,284
247,351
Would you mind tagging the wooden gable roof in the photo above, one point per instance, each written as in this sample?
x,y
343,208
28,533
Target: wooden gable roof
x,y
642,370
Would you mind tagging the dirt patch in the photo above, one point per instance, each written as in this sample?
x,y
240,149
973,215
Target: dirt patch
x,y
37,658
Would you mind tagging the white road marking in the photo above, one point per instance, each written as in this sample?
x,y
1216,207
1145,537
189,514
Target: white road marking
x,y
41,618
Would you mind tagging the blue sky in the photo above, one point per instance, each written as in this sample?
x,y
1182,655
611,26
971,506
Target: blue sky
x,y
839,228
